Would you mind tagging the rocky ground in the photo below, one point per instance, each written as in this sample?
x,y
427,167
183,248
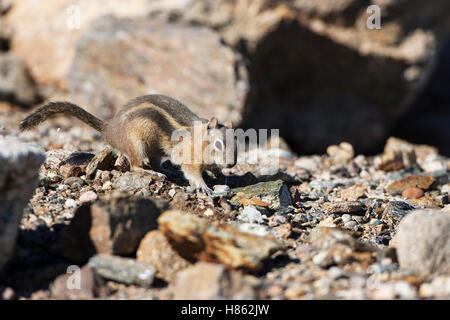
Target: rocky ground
x,y
337,225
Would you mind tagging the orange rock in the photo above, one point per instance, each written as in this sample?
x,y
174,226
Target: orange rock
x,y
417,181
412,193
255,202
156,250
196,238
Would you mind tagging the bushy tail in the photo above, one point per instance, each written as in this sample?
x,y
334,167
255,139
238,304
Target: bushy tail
x,y
51,108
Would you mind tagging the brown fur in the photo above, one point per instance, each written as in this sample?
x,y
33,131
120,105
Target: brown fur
x,y
46,111
142,130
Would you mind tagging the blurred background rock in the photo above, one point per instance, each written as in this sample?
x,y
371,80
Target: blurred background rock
x,y
309,67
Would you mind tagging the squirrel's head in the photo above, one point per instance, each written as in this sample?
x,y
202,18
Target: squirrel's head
x,y
221,143
207,142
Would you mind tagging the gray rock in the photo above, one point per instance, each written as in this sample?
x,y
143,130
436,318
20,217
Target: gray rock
x,y
323,185
346,217
251,214
172,192
71,181
139,56
351,224
423,242
275,193
397,210
130,181
337,40
124,270
16,84
221,190
343,207
190,190
114,224
208,281
19,168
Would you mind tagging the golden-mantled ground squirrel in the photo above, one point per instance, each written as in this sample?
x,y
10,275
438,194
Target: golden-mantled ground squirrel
x,y
143,131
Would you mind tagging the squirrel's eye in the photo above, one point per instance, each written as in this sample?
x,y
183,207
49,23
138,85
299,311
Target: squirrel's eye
x,y
218,145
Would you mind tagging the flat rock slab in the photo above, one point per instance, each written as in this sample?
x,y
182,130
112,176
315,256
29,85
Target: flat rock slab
x,y
124,270
131,181
342,207
417,181
274,193
196,238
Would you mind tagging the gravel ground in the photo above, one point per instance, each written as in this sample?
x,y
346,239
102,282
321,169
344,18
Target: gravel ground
x,y
336,227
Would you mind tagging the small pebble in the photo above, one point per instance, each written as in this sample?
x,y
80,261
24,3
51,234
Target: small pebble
x,y
251,214
8,294
220,188
376,222
105,176
190,190
67,215
412,193
446,189
88,197
70,203
172,192
107,186
335,272
346,218
208,212
74,181
351,224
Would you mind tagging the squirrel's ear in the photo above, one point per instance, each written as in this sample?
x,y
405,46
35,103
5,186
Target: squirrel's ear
x,y
229,124
213,123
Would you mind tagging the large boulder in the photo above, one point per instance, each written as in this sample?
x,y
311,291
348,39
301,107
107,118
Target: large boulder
x,y
119,59
46,41
428,118
313,65
19,171
319,74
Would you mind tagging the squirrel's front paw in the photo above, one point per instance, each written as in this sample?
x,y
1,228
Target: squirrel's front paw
x,y
206,190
